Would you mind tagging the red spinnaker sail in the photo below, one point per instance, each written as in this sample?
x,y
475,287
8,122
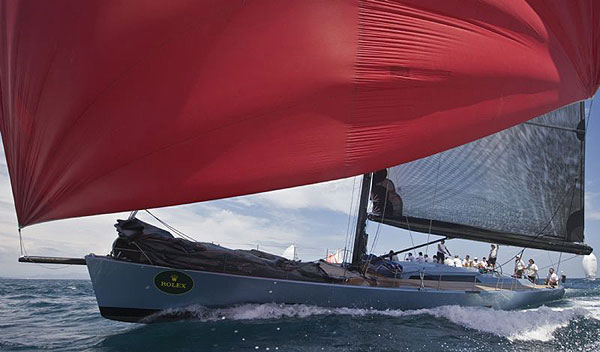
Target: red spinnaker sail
x,y
115,105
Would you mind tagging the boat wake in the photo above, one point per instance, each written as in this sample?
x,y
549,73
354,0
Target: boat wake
x,y
537,324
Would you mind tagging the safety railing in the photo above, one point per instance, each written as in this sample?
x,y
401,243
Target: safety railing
x,y
452,281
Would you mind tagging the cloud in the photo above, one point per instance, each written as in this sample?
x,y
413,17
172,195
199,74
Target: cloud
x,y
314,217
334,195
592,211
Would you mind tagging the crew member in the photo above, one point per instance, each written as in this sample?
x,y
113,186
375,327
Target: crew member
x,y
552,278
492,257
442,250
519,267
532,271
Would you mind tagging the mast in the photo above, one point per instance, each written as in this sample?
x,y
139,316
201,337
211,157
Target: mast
x,y
361,221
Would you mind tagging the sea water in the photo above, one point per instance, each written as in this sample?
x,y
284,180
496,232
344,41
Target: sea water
x,y
62,315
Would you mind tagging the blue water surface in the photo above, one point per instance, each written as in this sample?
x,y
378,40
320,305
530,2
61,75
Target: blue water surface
x,y
62,315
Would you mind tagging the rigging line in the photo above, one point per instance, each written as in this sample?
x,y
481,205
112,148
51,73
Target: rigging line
x,y
550,260
409,232
180,233
568,129
355,216
587,122
349,217
581,161
572,188
23,245
552,264
559,258
546,226
378,228
348,225
379,223
437,175
412,241
24,250
171,227
54,267
570,207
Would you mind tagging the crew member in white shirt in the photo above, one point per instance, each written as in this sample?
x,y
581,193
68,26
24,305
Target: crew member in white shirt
x,y
532,271
467,263
519,267
552,278
483,264
410,257
442,250
457,262
420,258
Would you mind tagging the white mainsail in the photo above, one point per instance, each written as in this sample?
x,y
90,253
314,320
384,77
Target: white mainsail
x,y
590,266
290,253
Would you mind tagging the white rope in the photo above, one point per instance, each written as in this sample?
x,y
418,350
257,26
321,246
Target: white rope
x,y
349,224
558,267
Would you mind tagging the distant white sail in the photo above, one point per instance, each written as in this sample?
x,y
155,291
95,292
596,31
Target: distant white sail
x,y
590,266
290,253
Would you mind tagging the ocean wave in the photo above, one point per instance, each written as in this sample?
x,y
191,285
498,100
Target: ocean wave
x,y
524,325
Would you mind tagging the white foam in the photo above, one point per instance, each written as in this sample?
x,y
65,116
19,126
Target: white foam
x,y
533,324
590,304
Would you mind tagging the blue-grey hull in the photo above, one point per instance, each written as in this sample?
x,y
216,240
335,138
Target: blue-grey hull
x,y
129,292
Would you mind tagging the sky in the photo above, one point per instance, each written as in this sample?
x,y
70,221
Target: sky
x,y
317,218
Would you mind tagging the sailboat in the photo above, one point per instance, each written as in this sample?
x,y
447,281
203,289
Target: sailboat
x,y
290,252
109,107
590,266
